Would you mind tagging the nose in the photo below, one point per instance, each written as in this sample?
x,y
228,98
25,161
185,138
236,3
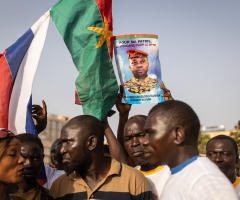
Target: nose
x,y
28,163
135,142
21,160
63,149
145,140
217,158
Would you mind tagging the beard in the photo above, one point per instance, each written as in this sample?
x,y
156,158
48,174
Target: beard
x,y
80,165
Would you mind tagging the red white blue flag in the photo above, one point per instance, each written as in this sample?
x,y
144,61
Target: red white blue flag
x,y
18,66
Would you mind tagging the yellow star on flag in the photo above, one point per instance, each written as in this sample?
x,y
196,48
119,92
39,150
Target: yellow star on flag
x,y
105,32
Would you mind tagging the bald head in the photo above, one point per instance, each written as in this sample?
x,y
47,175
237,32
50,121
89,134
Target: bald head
x,y
86,125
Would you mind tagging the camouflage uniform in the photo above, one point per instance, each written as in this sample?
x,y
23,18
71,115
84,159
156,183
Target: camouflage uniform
x,y
137,86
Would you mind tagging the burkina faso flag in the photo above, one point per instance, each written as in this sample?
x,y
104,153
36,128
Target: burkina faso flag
x,y
86,28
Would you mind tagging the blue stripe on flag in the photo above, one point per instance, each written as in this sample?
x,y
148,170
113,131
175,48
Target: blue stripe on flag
x,y
16,52
30,126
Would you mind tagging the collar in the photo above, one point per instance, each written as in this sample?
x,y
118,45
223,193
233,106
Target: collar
x,y
136,79
184,164
115,169
153,171
237,181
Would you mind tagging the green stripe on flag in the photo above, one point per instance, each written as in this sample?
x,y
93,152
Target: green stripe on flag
x,y
96,85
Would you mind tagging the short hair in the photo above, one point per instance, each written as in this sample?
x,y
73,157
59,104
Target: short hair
x,y
30,138
92,126
179,113
136,116
224,137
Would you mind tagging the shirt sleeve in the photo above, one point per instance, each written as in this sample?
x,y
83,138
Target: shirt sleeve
x,y
143,191
212,187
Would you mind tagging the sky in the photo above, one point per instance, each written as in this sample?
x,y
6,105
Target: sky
x,y
199,46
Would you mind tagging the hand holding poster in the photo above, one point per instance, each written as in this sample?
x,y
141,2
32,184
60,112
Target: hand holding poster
x,y
139,68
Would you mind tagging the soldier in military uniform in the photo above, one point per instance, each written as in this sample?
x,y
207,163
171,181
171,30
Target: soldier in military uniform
x,y
138,64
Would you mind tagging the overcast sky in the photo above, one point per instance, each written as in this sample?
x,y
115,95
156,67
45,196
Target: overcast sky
x,y
199,48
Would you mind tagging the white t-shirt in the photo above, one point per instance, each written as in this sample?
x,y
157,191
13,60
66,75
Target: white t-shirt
x,y
198,179
236,186
157,179
52,174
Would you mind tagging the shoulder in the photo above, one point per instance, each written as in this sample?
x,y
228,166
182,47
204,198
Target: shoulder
x,y
132,174
60,185
209,182
126,83
210,186
153,80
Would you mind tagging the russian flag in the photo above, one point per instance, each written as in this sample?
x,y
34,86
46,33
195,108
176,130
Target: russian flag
x,y
18,66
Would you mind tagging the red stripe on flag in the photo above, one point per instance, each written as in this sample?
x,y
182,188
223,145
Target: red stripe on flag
x,y
105,8
5,90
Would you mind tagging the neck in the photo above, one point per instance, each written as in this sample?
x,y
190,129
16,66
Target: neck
x,y
60,166
96,171
141,77
148,167
26,185
232,177
3,191
183,154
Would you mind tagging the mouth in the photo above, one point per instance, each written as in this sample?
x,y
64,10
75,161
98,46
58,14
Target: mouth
x,y
64,160
137,153
21,171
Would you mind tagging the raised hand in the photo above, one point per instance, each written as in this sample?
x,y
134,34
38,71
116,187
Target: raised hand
x,y
122,108
40,115
167,94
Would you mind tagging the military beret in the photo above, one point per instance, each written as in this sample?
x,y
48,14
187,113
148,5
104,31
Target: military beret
x,y
135,53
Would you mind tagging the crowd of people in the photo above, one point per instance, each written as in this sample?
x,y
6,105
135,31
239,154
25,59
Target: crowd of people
x,y
153,157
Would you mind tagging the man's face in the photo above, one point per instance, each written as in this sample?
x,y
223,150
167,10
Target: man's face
x,y
133,134
33,155
139,66
222,153
158,141
73,148
52,153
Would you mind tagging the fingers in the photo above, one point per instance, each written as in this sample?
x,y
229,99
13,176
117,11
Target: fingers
x,y
36,107
162,84
44,106
121,89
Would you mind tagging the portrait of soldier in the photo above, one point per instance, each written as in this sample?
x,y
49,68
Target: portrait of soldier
x,y
138,64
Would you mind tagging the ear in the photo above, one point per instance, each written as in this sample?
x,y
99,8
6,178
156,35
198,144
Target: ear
x,y
92,142
179,134
43,156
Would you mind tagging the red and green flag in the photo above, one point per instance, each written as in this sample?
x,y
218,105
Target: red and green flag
x,y
86,28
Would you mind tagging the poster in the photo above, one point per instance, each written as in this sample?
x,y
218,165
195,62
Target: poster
x,y
139,68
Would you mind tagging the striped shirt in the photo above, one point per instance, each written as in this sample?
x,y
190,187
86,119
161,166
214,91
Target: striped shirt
x,y
121,182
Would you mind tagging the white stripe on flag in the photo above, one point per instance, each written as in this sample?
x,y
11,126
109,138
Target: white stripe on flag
x,y
22,88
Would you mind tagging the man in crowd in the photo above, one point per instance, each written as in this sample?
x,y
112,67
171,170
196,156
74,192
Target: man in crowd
x,y
223,151
52,173
138,64
33,152
89,174
53,163
172,130
130,137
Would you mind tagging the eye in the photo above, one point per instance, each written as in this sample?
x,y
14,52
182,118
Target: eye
x,y
37,158
210,154
127,139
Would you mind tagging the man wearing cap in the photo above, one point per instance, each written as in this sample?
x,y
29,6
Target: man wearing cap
x,y
138,64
